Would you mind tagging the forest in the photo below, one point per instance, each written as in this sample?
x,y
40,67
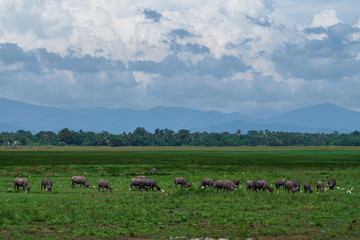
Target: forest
x,y
166,137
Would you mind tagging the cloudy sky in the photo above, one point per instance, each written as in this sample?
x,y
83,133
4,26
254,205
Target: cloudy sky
x,y
257,57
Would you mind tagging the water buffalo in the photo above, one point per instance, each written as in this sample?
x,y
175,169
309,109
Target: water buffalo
x,y
21,182
307,187
79,180
225,185
279,183
104,184
295,187
261,184
137,182
183,182
180,181
47,184
331,183
288,186
153,171
320,185
207,182
150,184
236,182
249,184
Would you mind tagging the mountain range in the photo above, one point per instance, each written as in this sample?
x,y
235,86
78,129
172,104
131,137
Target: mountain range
x,y
322,118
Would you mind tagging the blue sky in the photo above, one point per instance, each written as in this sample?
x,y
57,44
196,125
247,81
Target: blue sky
x,y
257,57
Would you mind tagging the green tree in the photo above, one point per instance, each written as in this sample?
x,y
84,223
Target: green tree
x,y
183,137
102,139
46,137
66,136
116,140
7,138
23,137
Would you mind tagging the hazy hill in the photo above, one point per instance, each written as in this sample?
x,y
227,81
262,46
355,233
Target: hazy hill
x,y
37,118
322,117
246,126
16,115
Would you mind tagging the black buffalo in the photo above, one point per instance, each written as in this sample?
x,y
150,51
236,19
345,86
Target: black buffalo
x,y
307,187
261,185
47,184
331,183
21,182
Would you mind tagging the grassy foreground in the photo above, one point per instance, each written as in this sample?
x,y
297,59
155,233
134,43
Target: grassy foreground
x,y
67,213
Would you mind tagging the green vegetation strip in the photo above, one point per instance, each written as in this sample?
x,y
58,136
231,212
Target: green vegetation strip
x,y
67,213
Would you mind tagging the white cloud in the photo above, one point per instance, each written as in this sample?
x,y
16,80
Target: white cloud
x,y
273,59
354,37
314,36
325,19
144,79
357,25
357,57
240,76
121,30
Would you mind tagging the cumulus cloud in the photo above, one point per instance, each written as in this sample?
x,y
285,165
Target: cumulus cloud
x,y
325,19
246,56
330,58
123,31
357,25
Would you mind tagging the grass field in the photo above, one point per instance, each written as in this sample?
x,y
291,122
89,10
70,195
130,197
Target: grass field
x,y
67,213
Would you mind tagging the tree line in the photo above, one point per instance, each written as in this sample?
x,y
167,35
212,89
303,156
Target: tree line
x,y
183,137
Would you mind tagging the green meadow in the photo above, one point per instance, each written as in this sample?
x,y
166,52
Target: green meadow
x,y
67,213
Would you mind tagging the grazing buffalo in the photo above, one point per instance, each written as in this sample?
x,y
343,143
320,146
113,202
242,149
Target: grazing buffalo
x,y
320,185
236,182
153,171
307,187
144,184
21,182
136,182
261,184
225,185
288,186
180,181
293,186
79,180
207,182
47,184
150,184
279,183
104,184
183,182
249,184
331,183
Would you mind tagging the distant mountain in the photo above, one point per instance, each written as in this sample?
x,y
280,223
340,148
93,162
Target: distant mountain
x,y
322,117
120,120
32,117
246,126
15,115
39,118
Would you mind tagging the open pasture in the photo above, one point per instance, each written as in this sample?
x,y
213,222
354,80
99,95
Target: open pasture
x,y
66,213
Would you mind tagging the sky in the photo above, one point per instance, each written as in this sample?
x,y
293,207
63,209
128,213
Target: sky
x,y
256,57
